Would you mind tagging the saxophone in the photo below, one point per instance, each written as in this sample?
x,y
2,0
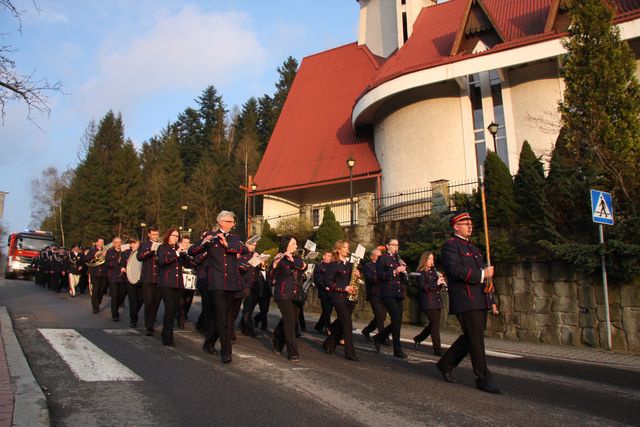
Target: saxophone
x,y
355,281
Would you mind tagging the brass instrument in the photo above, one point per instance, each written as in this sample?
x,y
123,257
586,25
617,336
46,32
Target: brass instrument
x,y
100,257
355,282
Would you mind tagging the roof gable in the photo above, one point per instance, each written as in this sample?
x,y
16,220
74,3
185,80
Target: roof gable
x,y
477,26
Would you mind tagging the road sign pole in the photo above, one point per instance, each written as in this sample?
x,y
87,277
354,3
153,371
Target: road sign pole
x,y
605,289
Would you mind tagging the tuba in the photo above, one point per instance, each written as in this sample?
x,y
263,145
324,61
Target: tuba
x,y
100,257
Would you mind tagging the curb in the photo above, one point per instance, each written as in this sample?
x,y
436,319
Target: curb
x,y
30,405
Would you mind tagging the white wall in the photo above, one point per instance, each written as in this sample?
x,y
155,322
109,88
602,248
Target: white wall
x,y
423,141
378,26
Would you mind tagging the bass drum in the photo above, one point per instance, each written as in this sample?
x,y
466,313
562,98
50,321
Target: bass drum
x,y
134,268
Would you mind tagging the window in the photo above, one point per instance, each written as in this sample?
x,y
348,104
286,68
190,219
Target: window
x,y
405,31
315,217
498,114
475,93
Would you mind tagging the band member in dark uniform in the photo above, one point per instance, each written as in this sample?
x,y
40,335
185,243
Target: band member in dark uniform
x,y
186,299
206,314
338,277
248,273
466,273
171,258
286,269
116,273
319,279
373,295
258,282
40,266
83,284
430,283
134,290
264,299
75,261
223,248
149,278
57,268
389,270
97,275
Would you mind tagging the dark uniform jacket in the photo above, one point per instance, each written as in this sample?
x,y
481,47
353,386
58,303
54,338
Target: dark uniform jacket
x,y
430,298
145,255
114,264
368,270
222,263
463,265
58,263
99,271
285,279
338,278
390,285
202,271
170,267
75,262
247,272
320,280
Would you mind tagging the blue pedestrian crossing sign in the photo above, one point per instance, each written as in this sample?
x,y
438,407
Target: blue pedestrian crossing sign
x,y
601,207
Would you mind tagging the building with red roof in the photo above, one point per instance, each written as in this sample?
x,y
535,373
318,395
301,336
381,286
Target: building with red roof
x,y
411,101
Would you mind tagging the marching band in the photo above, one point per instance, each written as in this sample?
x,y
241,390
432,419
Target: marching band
x,y
228,275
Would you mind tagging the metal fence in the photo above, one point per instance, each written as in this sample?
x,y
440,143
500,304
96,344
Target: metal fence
x,y
275,219
341,210
419,202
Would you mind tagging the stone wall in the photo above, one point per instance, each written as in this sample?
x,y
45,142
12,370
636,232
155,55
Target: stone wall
x,y
547,303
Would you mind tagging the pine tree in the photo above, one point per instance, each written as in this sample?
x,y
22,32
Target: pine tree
x,y
601,106
532,206
501,205
171,171
287,74
189,133
266,121
200,194
329,230
213,113
127,190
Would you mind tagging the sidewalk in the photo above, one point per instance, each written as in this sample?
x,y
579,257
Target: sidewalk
x,y
522,348
22,402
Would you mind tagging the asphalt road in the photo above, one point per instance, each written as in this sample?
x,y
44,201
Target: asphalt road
x,y
187,387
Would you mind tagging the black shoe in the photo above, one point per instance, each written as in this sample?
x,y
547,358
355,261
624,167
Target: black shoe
x,y
353,358
437,351
275,347
250,333
115,317
169,344
446,375
95,311
367,336
376,343
328,350
264,327
400,354
149,332
208,348
132,324
294,358
488,387
226,359
416,344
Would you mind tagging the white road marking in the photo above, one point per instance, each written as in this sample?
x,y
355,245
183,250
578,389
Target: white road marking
x,y
487,352
87,361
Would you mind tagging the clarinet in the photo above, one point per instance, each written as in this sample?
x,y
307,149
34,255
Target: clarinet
x,y
405,274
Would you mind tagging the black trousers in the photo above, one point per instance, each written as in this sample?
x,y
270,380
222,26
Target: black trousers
x,y
285,331
204,320
151,297
118,293
99,284
247,323
325,316
56,281
302,322
379,315
134,294
341,328
432,328
394,308
83,284
263,316
185,304
471,342
171,299
222,303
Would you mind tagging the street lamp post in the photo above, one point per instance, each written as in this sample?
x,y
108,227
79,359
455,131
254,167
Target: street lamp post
x,y
493,130
184,213
143,227
350,164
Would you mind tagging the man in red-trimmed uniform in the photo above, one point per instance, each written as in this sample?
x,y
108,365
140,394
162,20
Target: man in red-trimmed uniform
x,y
466,272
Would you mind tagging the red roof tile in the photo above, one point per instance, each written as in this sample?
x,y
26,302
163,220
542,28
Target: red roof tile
x,y
314,136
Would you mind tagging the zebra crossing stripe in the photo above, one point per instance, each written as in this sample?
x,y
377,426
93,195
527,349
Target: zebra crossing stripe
x,y
87,361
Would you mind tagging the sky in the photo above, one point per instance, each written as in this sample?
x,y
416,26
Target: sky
x,y
149,60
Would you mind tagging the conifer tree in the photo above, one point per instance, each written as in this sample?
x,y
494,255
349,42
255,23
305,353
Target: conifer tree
x,y
189,133
601,106
501,205
532,206
171,173
329,230
201,196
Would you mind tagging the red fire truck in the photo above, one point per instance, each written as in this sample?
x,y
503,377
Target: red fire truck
x,y
22,248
